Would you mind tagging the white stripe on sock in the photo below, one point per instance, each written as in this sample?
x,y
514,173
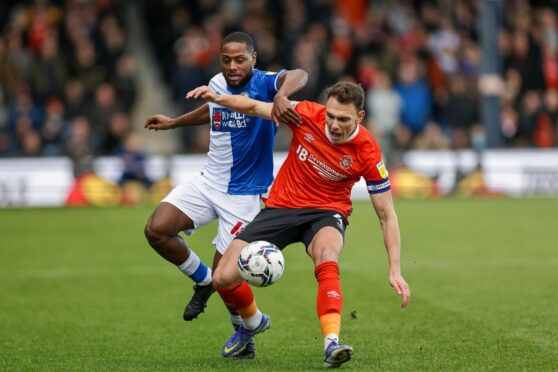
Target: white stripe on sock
x,y
328,339
253,321
191,264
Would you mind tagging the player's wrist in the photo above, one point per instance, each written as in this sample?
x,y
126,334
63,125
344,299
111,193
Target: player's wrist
x,y
395,270
279,96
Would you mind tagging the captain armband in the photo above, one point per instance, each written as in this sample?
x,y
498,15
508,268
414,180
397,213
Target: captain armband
x,y
376,187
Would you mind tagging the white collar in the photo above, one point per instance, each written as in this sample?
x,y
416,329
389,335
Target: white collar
x,y
350,138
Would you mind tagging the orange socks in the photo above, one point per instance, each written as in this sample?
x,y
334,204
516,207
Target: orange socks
x,y
237,297
330,323
330,300
248,311
240,298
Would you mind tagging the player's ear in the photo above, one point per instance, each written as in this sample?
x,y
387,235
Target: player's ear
x,y
360,116
254,57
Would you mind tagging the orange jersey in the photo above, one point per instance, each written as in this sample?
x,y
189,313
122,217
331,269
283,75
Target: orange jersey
x,y
318,174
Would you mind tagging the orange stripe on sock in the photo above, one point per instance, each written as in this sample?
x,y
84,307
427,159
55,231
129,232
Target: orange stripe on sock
x,y
330,323
248,311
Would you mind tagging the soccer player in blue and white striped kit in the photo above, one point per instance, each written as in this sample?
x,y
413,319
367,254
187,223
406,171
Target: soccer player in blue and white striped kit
x,y
238,170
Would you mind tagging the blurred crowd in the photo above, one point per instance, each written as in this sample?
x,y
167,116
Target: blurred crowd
x,y
67,80
417,60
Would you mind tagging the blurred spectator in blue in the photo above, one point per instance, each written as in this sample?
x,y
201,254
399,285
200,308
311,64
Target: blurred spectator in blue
x,y
54,127
134,161
415,96
24,113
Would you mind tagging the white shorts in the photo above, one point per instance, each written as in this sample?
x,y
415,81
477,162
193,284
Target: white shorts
x,y
203,204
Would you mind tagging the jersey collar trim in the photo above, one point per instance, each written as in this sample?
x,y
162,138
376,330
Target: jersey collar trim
x,y
350,138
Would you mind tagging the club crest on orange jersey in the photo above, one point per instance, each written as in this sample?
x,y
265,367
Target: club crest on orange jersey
x,y
308,137
346,162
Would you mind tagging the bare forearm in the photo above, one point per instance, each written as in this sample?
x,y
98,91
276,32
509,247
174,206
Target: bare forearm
x,y
392,241
245,105
293,81
383,205
198,116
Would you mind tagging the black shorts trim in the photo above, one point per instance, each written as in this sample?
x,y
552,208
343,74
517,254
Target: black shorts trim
x,y
283,226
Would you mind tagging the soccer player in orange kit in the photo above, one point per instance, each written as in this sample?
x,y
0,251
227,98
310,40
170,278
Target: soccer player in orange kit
x,y
310,202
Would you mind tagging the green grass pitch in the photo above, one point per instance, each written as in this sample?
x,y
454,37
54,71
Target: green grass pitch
x,y
80,289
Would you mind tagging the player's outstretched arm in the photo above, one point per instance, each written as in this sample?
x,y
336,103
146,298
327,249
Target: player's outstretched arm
x,y
383,205
237,103
289,82
198,116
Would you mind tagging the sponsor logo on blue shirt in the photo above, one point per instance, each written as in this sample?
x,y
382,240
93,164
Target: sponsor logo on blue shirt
x,y
226,120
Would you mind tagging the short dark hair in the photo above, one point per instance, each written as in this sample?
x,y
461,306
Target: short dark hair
x,y
239,37
345,92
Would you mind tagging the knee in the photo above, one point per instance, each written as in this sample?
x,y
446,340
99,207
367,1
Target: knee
x,y
219,279
325,253
155,235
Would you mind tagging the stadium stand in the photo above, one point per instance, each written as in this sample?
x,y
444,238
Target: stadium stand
x,y
66,71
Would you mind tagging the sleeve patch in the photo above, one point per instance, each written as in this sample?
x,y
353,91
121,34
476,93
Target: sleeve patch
x,y
382,169
376,187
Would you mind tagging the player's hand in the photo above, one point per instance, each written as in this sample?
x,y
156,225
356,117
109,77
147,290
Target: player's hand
x,y
282,111
159,122
401,287
204,93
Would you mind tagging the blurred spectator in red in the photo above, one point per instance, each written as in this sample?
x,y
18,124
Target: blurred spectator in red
x,y
545,125
42,18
